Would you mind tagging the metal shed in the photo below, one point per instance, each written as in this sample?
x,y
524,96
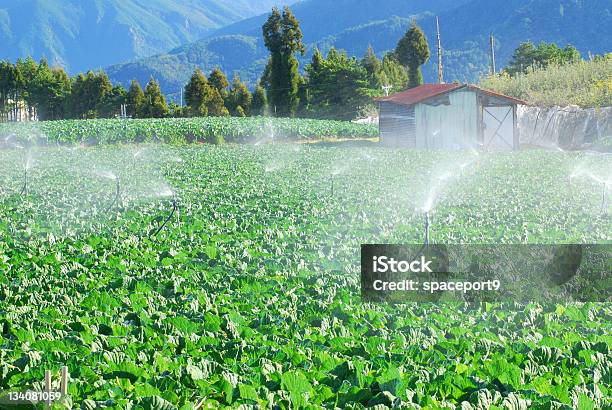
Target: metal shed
x,y
449,116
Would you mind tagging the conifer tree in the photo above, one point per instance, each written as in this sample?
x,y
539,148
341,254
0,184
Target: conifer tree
x,y
412,52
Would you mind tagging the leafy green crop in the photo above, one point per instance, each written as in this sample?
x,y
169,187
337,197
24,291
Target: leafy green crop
x,y
181,130
250,296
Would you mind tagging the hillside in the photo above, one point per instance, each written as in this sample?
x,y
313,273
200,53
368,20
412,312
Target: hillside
x,y
86,34
465,26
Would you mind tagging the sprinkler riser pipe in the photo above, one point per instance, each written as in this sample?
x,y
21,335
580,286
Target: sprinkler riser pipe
x,y
175,209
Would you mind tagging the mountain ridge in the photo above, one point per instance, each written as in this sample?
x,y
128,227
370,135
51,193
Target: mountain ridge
x,y
89,34
465,28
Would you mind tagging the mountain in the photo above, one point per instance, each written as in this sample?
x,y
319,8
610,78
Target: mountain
x,y
87,34
354,24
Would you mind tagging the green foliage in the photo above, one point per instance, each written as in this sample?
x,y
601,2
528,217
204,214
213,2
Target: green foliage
x,y
135,100
283,38
89,93
239,99
198,93
583,83
529,56
155,105
260,101
250,297
181,130
218,80
412,51
49,92
338,86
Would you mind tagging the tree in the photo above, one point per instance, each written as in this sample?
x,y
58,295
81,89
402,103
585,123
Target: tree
x,y
89,93
197,94
239,98
111,104
216,105
28,68
393,73
49,92
155,105
338,86
135,100
412,52
218,80
15,85
283,38
260,101
527,56
373,67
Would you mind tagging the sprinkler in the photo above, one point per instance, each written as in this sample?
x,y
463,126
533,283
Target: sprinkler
x,y
26,167
332,184
24,188
117,193
175,209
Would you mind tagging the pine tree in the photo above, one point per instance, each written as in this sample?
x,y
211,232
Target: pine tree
x,y
197,94
412,51
338,85
260,101
135,100
239,98
373,67
283,38
218,79
216,105
155,105
393,73
49,91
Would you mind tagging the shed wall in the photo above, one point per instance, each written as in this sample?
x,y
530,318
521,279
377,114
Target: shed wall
x,y
397,125
452,126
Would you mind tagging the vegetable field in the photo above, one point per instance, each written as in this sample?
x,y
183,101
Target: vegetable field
x,y
182,130
249,295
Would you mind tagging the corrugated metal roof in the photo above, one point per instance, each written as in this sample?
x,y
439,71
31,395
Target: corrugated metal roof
x,y
426,91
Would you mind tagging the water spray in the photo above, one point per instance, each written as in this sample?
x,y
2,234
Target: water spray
x,y
26,167
604,209
174,210
117,193
427,223
24,188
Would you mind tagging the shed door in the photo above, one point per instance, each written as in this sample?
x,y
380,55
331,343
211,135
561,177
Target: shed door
x,y
498,132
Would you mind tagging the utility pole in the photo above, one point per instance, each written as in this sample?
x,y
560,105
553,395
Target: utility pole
x,y
493,70
387,88
440,66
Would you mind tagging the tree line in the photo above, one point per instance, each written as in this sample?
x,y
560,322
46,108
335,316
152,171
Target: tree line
x,y
330,86
30,90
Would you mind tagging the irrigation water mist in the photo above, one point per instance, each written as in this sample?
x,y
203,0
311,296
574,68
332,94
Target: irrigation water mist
x,y
426,241
26,167
582,172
